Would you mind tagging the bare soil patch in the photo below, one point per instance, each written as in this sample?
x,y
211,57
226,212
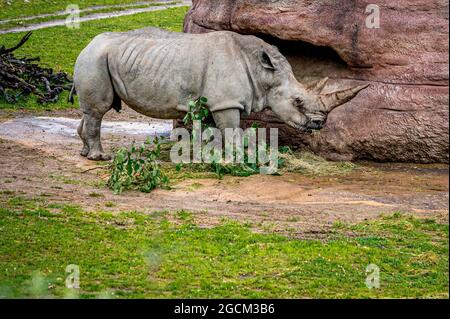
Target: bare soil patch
x,y
45,164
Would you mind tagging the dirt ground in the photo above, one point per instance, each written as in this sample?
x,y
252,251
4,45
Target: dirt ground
x,y
38,160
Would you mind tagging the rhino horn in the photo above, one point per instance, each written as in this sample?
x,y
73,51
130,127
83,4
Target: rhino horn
x,y
317,87
334,99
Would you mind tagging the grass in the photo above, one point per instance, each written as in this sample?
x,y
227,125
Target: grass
x,y
19,8
18,22
134,255
58,47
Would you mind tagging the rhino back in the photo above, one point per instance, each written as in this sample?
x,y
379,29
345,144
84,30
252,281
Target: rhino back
x,y
152,32
158,74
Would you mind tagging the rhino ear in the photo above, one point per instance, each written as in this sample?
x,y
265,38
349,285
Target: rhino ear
x,y
266,61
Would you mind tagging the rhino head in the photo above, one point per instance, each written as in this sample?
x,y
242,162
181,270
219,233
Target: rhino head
x,y
303,107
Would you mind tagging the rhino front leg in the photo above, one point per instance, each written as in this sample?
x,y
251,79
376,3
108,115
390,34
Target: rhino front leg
x,y
229,118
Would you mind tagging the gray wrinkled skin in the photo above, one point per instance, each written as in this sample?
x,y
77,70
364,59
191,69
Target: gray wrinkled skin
x,y
157,72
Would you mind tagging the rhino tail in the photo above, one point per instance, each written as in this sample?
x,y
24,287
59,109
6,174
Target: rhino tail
x,y
117,103
73,92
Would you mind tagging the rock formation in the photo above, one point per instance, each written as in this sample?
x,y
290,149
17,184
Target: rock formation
x,y
403,116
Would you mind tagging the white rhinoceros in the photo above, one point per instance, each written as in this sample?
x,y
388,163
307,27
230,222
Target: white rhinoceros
x,y
157,73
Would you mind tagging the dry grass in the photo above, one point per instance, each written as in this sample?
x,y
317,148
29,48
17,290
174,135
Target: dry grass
x,y
310,164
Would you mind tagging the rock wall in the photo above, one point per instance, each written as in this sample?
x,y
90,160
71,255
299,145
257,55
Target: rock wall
x,y
403,116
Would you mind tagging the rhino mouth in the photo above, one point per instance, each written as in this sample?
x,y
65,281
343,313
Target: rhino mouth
x,y
309,127
314,125
301,127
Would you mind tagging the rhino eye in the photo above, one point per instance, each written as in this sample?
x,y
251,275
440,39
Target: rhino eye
x,y
298,102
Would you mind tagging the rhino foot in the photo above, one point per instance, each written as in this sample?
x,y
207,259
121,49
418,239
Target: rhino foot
x,y
99,156
84,152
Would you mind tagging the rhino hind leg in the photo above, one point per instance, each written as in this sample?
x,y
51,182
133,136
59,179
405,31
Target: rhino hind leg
x,y
85,151
90,133
96,96
90,126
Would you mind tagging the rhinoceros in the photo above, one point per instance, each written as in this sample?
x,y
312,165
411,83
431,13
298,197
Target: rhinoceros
x,y
157,73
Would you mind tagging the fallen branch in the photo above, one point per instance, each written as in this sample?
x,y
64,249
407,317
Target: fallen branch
x,y
14,48
94,168
20,77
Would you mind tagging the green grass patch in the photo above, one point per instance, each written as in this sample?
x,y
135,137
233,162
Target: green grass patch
x,y
17,22
59,47
20,8
133,255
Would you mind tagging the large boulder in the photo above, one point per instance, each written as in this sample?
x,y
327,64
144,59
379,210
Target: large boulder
x,y
403,116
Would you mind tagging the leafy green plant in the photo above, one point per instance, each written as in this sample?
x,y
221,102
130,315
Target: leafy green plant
x,y
137,168
246,168
242,169
197,112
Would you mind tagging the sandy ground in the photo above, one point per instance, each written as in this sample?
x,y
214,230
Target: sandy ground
x,y
39,157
